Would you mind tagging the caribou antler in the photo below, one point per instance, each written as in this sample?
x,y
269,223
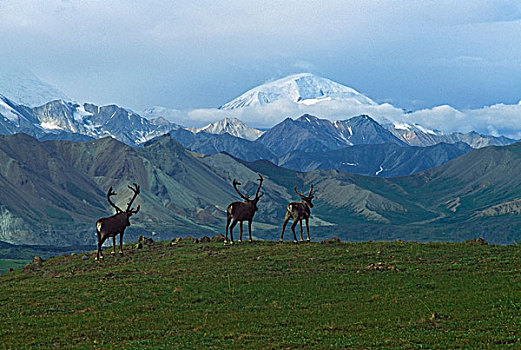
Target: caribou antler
x,y
300,194
258,189
136,189
111,193
235,183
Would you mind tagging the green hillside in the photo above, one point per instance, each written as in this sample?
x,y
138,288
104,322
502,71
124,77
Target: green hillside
x,y
268,296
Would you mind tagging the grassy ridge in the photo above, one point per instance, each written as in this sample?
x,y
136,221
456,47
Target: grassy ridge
x,y
266,295
6,264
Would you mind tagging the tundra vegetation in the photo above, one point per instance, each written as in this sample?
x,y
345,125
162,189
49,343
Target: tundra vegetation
x,y
268,295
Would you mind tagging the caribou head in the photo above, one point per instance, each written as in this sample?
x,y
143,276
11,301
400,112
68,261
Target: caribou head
x,y
246,198
306,199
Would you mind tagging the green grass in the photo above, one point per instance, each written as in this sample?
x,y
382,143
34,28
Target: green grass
x,y
269,296
6,264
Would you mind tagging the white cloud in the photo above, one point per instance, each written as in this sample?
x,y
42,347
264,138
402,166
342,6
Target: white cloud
x,y
443,118
496,120
500,118
268,115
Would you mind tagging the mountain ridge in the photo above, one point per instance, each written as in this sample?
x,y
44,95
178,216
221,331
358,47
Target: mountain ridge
x,y
52,192
232,126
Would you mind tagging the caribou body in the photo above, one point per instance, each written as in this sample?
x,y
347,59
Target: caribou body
x,y
242,211
298,211
115,224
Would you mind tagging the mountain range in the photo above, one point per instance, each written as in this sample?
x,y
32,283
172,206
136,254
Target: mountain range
x,y
70,121
294,144
66,120
359,145
374,179
53,192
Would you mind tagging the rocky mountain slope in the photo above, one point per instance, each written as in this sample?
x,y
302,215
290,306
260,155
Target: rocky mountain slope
x,y
415,135
384,160
311,134
232,126
62,120
359,145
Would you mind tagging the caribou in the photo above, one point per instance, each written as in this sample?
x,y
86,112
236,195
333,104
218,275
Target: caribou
x,y
115,224
242,211
299,211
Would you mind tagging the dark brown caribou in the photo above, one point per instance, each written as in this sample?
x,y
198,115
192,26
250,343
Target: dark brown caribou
x,y
242,211
298,211
115,224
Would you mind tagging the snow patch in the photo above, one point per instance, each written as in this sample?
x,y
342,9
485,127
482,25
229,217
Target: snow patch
x,y
51,125
425,130
80,114
402,126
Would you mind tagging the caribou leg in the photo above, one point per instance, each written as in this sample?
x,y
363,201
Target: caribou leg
x,y
286,219
98,246
293,230
228,219
99,253
307,229
234,222
121,243
249,230
113,245
301,233
240,232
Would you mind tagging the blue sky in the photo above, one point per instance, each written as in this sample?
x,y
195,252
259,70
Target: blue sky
x,y
194,54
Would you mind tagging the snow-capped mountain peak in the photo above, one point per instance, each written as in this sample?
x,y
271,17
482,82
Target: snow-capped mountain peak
x,y
97,121
232,126
7,109
304,88
25,88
